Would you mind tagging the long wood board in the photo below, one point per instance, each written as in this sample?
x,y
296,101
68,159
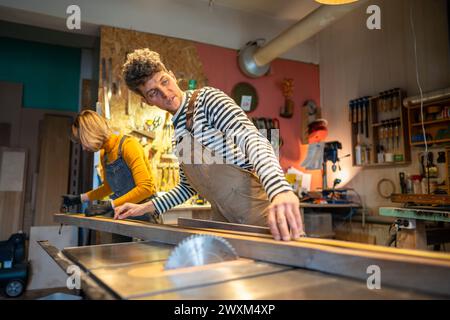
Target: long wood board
x,y
54,164
436,199
421,274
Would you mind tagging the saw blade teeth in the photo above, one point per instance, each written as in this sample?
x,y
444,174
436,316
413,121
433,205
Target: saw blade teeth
x,y
225,242
198,254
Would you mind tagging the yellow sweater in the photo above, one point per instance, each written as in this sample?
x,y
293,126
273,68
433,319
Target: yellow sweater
x,y
137,161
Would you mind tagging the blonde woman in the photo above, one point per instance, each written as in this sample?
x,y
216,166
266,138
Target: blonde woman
x,y
127,176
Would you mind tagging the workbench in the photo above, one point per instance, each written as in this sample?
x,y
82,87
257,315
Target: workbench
x,y
418,236
346,210
185,210
267,269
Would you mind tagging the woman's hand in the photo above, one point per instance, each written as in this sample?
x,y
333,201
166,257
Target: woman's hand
x,y
284,217
133,210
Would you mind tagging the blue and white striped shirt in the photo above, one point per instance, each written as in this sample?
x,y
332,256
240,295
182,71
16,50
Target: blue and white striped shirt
x,y
222,126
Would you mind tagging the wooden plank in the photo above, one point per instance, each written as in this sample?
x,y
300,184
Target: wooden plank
x,y
213,226
12,201
54,163
397,270
210,224
438,199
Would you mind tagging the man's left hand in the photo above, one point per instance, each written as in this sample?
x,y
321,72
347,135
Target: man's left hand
x,y
284,219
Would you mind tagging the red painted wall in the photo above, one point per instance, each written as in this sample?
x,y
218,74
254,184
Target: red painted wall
x,y
221,68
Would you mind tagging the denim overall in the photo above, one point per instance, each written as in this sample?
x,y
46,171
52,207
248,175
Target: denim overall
x,y
120,179
118,174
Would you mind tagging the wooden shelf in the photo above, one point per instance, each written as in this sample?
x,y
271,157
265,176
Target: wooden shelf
x,y
429,104
385,164
147,134
421,143
371,142
416,124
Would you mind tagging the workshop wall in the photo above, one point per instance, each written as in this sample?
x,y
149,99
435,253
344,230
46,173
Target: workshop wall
x,y
355,61
128,113
183,19
221,68
50,74
24,121
209,65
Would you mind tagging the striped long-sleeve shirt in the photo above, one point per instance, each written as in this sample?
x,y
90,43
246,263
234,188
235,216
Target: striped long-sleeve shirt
x,y
222,126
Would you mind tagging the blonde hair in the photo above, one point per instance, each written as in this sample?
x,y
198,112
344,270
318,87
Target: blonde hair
x,y
91,130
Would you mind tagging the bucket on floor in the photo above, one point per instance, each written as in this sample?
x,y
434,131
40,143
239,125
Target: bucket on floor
x,y
60,296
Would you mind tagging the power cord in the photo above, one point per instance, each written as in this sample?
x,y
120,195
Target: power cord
x,y
422,120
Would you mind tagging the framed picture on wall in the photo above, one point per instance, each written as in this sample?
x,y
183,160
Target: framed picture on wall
x,y
245,96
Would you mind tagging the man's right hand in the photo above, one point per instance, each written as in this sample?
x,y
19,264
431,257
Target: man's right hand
x,y
71,200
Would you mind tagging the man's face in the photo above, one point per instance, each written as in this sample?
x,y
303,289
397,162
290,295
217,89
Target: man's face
x,y
162,91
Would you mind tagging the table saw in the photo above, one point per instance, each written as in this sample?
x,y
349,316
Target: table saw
x,y
264,268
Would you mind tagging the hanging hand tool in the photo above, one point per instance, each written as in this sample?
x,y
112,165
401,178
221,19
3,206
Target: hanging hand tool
x,y
105,88
402,182
363,119
276,125
366,117
356,108
432,169
391,137
398,134
360,128
110,78
350,115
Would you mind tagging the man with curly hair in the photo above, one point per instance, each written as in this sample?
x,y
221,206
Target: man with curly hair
x,y
228,161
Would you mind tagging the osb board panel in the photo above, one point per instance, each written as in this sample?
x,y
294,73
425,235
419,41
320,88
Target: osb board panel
x,y
127,111
54,162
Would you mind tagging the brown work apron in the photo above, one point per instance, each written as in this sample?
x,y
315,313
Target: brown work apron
x,y
236,195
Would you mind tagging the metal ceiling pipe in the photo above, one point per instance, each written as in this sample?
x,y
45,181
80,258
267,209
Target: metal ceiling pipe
x,y
255,61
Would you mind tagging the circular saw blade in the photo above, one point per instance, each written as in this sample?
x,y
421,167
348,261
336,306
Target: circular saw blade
x,y
198,250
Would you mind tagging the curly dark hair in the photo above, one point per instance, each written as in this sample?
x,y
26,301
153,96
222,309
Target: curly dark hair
x,y
140,66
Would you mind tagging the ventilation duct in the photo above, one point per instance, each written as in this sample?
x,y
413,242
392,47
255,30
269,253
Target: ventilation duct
x,y
254,60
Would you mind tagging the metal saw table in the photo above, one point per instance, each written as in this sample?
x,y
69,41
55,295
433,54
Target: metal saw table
x,y
135,270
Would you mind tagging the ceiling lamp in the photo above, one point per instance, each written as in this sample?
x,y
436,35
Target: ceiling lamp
x,y
335,2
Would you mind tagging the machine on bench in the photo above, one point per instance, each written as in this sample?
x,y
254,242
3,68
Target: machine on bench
x,y
423,219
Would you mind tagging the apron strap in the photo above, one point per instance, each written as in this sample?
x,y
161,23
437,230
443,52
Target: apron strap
x,y
120,146
190,110
105,155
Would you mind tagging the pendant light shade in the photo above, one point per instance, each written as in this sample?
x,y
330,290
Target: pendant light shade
x,y
335,2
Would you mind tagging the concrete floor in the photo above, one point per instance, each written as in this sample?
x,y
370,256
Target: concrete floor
x,y
37,294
